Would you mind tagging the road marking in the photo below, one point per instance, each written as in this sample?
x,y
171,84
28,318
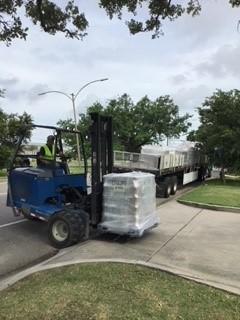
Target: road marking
x,y
12,223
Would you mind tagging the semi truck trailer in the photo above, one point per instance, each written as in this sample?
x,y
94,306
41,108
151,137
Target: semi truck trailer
x,y
172,167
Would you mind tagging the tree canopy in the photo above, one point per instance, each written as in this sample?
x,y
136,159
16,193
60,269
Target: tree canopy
x,y
11,127
219,131
136,124
68,18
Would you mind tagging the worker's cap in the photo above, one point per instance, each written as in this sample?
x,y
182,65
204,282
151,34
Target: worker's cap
x,y
50,138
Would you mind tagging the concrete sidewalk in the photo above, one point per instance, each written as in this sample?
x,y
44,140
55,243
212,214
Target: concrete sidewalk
x,y
195,243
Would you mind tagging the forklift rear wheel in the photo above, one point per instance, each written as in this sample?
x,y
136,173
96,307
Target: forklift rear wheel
x,y
67,228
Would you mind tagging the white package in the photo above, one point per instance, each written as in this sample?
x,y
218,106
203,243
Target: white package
x,y
129,203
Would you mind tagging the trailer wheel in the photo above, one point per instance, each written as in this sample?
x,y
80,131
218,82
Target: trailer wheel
x,y
159,189
167,187
67,228
174,185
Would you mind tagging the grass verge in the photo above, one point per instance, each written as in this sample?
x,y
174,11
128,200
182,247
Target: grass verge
x,y
215,192
3,174
102,291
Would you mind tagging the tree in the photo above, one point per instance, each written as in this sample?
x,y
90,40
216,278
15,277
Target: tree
x,y
137,124
53,18
11,127
83,127
219,132
145,122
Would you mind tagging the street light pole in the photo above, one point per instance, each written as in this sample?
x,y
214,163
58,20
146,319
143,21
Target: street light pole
x,y
75,121
73,97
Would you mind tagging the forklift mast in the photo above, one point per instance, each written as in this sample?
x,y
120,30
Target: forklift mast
x,y
102,160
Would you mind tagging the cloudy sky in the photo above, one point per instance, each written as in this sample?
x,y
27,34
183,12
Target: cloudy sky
x,y
193,58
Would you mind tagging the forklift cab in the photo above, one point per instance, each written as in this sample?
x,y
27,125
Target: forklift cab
x,y
43,188
61,159
57,194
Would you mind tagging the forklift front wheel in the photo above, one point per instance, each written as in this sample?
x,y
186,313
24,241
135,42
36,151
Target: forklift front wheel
x,y
66,228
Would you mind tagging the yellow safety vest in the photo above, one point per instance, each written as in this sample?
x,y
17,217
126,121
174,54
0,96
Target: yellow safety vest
x,y
48,154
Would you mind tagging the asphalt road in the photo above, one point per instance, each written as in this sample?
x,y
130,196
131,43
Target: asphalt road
x,y
22,242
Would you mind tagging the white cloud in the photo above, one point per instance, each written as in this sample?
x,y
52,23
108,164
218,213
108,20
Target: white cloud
x,y
8,81
182,63
223,62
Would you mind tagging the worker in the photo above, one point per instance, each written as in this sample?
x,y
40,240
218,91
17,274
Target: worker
x,y
46,156
47,153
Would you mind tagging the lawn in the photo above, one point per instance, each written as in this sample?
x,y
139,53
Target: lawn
x,y
76,169
217,193
114,291
3,174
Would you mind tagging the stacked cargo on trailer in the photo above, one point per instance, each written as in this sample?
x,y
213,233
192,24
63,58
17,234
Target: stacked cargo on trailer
x,y
172,167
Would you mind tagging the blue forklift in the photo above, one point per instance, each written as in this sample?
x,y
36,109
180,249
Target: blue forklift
x,y
53,194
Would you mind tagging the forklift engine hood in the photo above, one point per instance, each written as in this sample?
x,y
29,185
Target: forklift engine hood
x,y
32,188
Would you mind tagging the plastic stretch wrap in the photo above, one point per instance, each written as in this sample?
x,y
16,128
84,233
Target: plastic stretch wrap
x,y
183,154
129,203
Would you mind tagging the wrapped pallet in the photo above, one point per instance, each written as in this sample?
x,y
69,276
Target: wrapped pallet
x,y
129,203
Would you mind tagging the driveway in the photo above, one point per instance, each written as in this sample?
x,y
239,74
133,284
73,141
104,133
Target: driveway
x,y
22,242
195,243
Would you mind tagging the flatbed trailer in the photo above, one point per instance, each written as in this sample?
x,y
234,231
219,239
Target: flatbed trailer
x,y
172,169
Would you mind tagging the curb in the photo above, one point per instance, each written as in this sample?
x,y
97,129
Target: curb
x,y
186,275
37,262
209,206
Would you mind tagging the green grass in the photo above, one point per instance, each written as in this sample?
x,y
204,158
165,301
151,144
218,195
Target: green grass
x,y
216,192
76,170
74,166
107,291
3,174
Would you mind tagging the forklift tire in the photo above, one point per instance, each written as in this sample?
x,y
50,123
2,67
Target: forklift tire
x,y
67,228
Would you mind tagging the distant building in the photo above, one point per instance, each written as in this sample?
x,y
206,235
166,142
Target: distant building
x,y
32,148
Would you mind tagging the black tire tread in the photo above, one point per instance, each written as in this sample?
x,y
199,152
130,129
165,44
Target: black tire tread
x,y
174,180
76,225
167,182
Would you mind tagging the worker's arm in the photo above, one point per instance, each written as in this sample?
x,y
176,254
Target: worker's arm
x,y
61,155
42,151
